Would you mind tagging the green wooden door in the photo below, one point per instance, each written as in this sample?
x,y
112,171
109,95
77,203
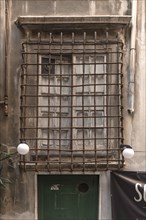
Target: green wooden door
x,y
68,197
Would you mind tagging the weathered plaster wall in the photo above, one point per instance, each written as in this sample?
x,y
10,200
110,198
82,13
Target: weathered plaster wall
x,y
20,199
135,124
70,7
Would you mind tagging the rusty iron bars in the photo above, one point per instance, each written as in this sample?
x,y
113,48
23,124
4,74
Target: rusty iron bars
x,y
71,102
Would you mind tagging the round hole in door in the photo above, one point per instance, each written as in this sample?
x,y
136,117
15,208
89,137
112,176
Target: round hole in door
x,y
83,187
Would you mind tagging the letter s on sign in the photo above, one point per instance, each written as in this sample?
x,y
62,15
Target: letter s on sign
x,y
138,192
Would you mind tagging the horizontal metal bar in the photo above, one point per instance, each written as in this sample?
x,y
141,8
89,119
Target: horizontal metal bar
x,y
68,51
76,42
74,86
105,138
73,117
76,64
44,106
76,95
75,74
73,127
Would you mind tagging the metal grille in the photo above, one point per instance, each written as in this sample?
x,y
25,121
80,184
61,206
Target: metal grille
x,y
71,109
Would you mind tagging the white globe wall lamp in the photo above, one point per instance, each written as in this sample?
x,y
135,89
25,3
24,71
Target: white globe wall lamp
x,y
127,151
23,149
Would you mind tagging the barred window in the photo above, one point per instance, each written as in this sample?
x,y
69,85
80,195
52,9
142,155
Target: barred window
x,y
71,101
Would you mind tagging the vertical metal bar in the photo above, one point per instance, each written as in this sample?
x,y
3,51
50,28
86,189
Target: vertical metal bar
x,y
95,150
25,92
107,102
37,113
118,100
83,96
23,102
60,95
72,106
120,109
49,115
121,103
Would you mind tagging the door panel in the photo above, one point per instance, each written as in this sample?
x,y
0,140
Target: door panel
x,y
68,197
